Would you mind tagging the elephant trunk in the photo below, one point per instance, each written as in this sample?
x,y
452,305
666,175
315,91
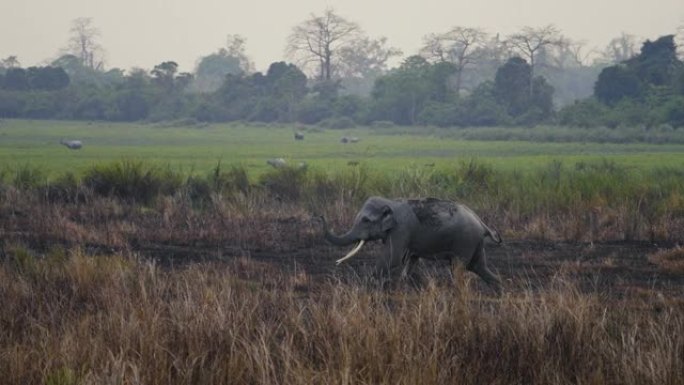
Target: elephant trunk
x,y
343,240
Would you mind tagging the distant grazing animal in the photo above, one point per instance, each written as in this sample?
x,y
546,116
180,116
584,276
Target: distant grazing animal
x,y
354,139
353,163
299,136
344,140
277,162
72,144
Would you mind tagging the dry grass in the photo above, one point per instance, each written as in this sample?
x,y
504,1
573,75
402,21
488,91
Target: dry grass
x,y
68,318
669,260
258,222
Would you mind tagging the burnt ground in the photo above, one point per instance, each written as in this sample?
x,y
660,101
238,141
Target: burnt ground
x,y
617,269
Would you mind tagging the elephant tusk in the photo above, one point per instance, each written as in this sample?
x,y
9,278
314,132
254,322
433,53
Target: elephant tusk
x,y
351,253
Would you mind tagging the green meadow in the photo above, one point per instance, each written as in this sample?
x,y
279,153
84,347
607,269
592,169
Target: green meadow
x,y
197,148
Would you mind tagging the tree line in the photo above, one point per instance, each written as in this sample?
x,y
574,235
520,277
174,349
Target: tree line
x,y
338,77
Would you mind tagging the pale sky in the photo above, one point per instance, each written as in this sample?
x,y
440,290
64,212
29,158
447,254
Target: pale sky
x,y
143,33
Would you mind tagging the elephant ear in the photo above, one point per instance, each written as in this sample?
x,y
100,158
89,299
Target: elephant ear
x,y
387,221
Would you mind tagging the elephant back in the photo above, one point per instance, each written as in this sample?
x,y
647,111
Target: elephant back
x,y
432,211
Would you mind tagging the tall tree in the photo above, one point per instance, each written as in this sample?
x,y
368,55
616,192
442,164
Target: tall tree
x,y
402,94
531,42
16,80
84,45
211,70
512,89
679,40
459,46
316,42
361,63
164,75
47,78
655,67
511,85
568,53
365,57
657,63
620,48
10,62
236,48
615,83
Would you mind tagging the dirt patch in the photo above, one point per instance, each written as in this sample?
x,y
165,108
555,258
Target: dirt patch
x,y
614,268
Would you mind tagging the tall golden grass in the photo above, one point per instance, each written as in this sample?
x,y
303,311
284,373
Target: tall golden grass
x,y
67,318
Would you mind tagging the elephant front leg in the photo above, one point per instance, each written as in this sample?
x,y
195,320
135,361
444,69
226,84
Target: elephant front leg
x,y
397,257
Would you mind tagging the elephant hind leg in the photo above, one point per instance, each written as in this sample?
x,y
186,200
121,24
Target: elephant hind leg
x,y
478,265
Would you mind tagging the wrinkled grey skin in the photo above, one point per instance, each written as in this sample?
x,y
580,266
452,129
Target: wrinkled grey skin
x,y
421,228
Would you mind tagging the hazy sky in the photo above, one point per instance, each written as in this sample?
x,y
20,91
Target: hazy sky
x,y
143,33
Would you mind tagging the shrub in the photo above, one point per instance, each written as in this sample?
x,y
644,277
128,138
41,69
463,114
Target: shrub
x,y
586,113
132,181
439,114
284,183
232,181
66,188
27,177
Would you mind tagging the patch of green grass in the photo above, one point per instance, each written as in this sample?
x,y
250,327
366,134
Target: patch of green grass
x,y
192,150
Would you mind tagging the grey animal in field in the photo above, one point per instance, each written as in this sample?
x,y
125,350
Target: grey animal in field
x,y
349,139
299,136
72,144
277,162
419,228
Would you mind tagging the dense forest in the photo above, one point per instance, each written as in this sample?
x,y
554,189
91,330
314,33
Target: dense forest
x,y
463,77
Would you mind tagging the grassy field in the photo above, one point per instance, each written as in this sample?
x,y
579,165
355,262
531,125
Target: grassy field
x,y
129,273
192,149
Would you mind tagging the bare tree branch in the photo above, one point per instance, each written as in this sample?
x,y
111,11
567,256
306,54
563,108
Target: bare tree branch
x,y
459,46
621,48
83,43
530,41
318,40
235,47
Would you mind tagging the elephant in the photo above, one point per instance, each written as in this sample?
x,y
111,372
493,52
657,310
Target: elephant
x,y
71,144
299,136
420,228
277,162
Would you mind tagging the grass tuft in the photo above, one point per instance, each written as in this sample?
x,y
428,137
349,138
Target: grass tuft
x,y
132,181
108,318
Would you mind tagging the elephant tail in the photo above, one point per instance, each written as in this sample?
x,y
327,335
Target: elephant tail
x,y
493,234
